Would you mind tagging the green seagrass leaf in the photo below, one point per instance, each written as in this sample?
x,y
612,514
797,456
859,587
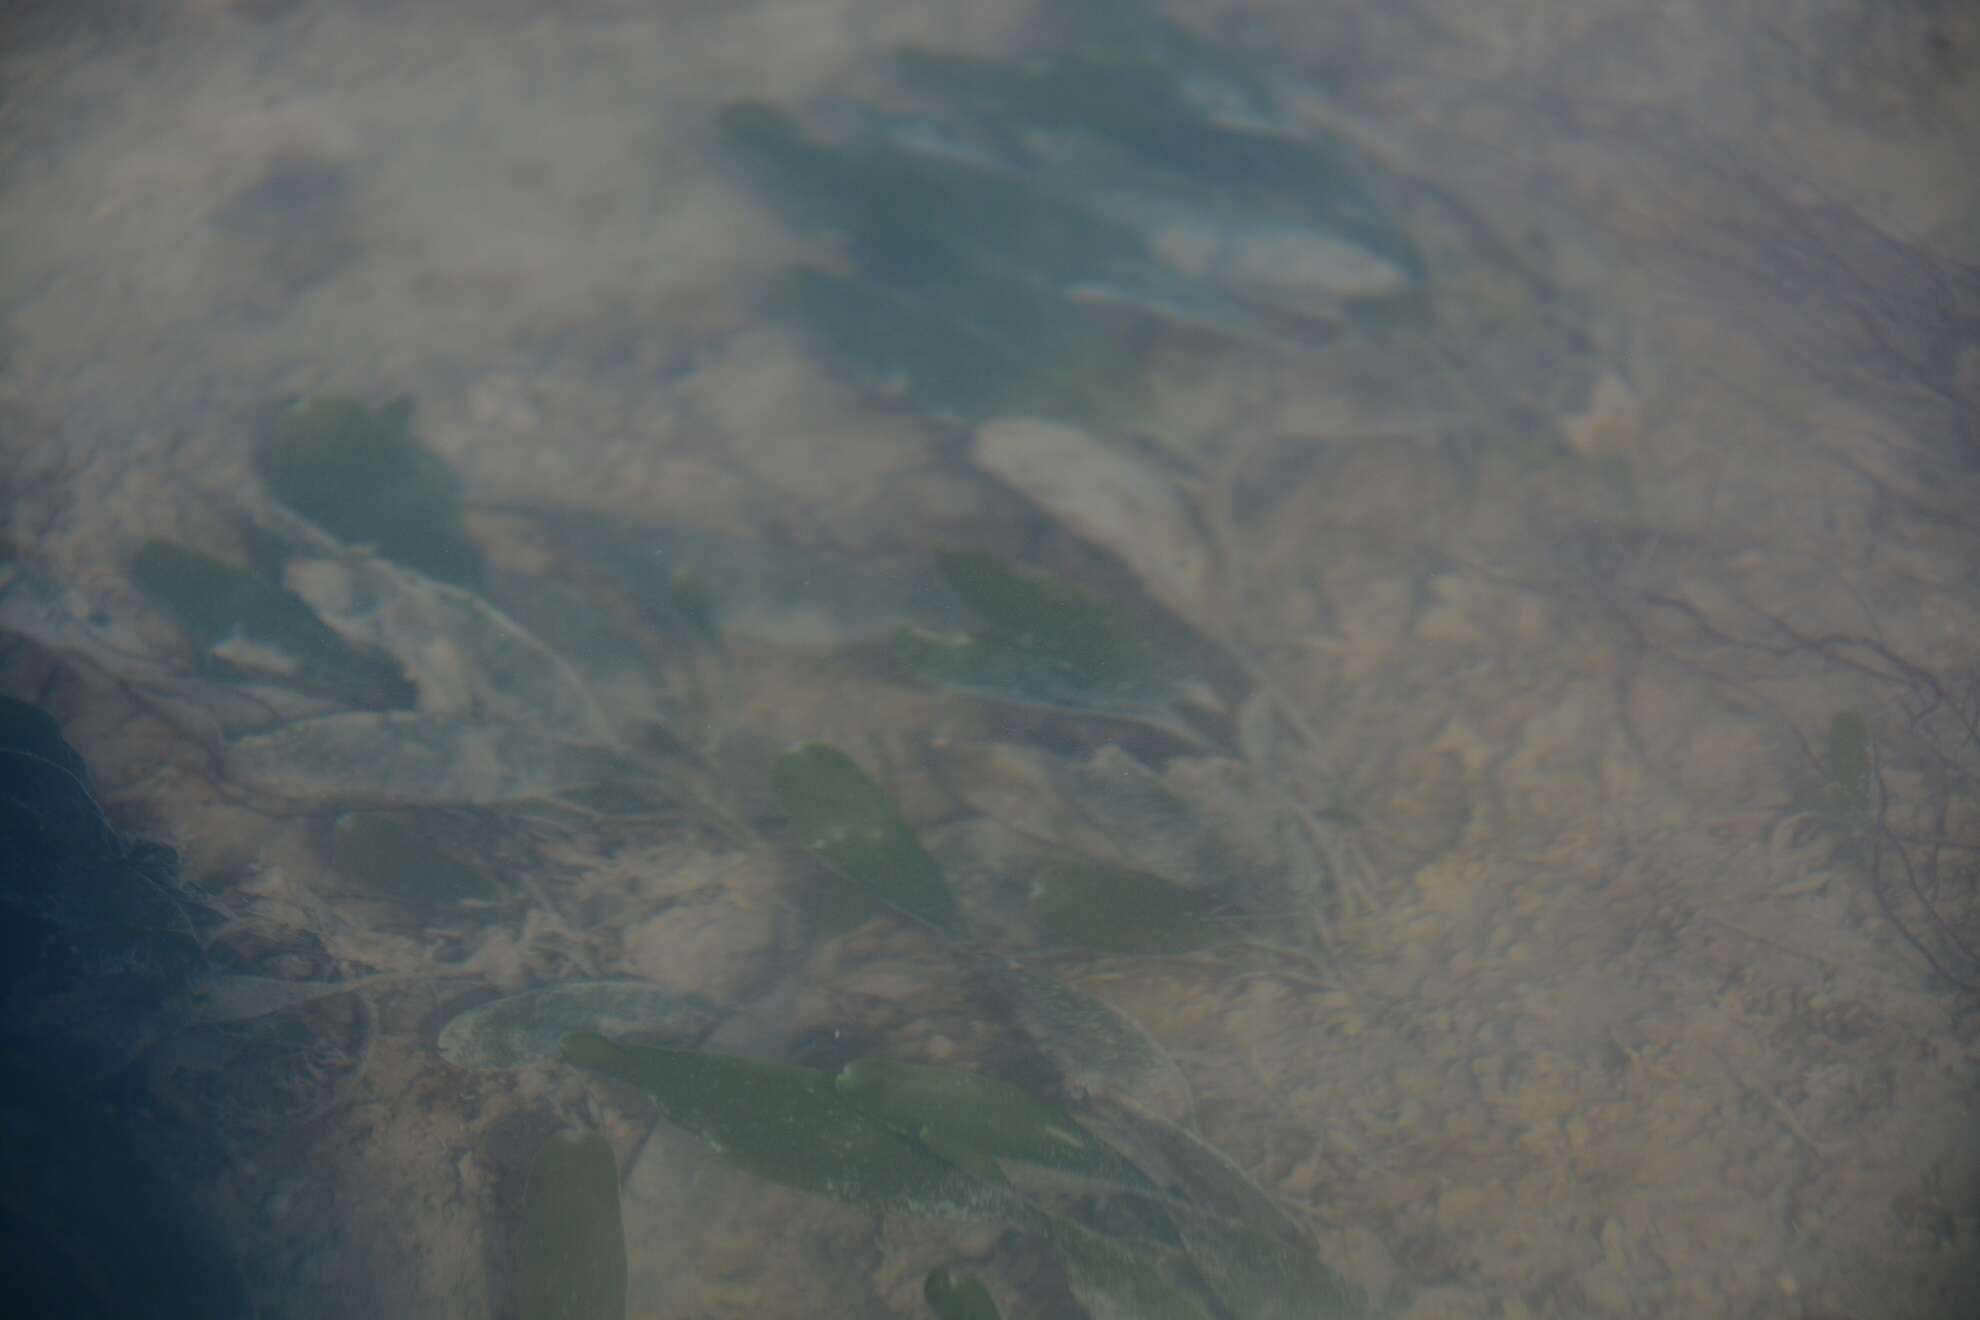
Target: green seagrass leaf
x,y
791,1126
1110,910
1116,1279
245,627
529,1026
574,1244
1850,775
365,478
958,1297
1042,642
956,1111
848,822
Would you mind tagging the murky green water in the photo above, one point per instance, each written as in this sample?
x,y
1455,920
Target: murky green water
x,y
868,659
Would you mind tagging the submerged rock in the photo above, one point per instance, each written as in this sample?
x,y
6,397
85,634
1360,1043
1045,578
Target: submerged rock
x,y
92,1225
99,933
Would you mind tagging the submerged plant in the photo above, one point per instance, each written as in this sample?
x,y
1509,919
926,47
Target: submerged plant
x,y
1110,910
791,1125
976,1120
958,1297
1851,775
529,1026
363,476
848,822
245,627
389,854
1043,642
574,1245
928,1141
967,348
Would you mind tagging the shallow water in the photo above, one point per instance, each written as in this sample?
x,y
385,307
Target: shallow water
x,y
1554,535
